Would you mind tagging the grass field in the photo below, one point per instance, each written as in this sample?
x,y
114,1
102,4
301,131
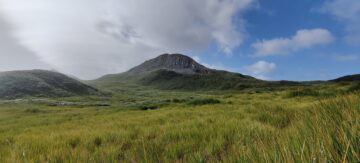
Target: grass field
x,y
301,124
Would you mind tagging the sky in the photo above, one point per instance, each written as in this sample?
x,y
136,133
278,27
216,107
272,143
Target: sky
x,y
272,40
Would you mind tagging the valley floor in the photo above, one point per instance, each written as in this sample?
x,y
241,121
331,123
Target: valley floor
x,y
297,125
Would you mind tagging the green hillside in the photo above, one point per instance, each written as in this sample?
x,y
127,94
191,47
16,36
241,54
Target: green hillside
x,y
40,83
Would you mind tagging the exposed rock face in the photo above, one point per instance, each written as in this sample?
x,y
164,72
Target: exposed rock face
x,y
174,62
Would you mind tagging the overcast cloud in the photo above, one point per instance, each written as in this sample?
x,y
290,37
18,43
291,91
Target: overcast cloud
x,y
89,38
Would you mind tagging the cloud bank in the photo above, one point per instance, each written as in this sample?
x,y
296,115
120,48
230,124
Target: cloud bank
x,y
303,39
89,38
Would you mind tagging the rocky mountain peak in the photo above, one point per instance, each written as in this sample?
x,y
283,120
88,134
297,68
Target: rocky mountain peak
x,y
173,62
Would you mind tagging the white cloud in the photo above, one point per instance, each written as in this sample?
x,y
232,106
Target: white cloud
x,y
261,69
89,38
347,11
303,39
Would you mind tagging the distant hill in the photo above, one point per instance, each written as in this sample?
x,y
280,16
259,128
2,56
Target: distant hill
x,y
177,71
349,78
41,83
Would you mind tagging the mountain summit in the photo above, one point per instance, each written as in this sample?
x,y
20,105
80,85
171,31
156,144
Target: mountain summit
x,y
172,62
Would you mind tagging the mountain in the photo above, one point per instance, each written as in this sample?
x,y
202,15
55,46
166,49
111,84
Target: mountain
x,y
349,78
172,62
41,83
176,71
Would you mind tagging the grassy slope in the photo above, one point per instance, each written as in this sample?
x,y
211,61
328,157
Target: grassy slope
x,y
282,126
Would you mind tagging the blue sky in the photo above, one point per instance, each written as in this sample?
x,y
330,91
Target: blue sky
x,y
274,40
280,18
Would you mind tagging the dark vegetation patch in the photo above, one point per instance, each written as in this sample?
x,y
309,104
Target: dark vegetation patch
x,y
157,104
206,101
176,100
98,141
34,110
153,104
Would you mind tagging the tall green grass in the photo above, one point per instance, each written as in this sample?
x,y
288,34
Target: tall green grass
x,y
252,128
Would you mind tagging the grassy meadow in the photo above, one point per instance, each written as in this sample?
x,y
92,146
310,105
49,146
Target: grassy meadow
x,y
319,123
